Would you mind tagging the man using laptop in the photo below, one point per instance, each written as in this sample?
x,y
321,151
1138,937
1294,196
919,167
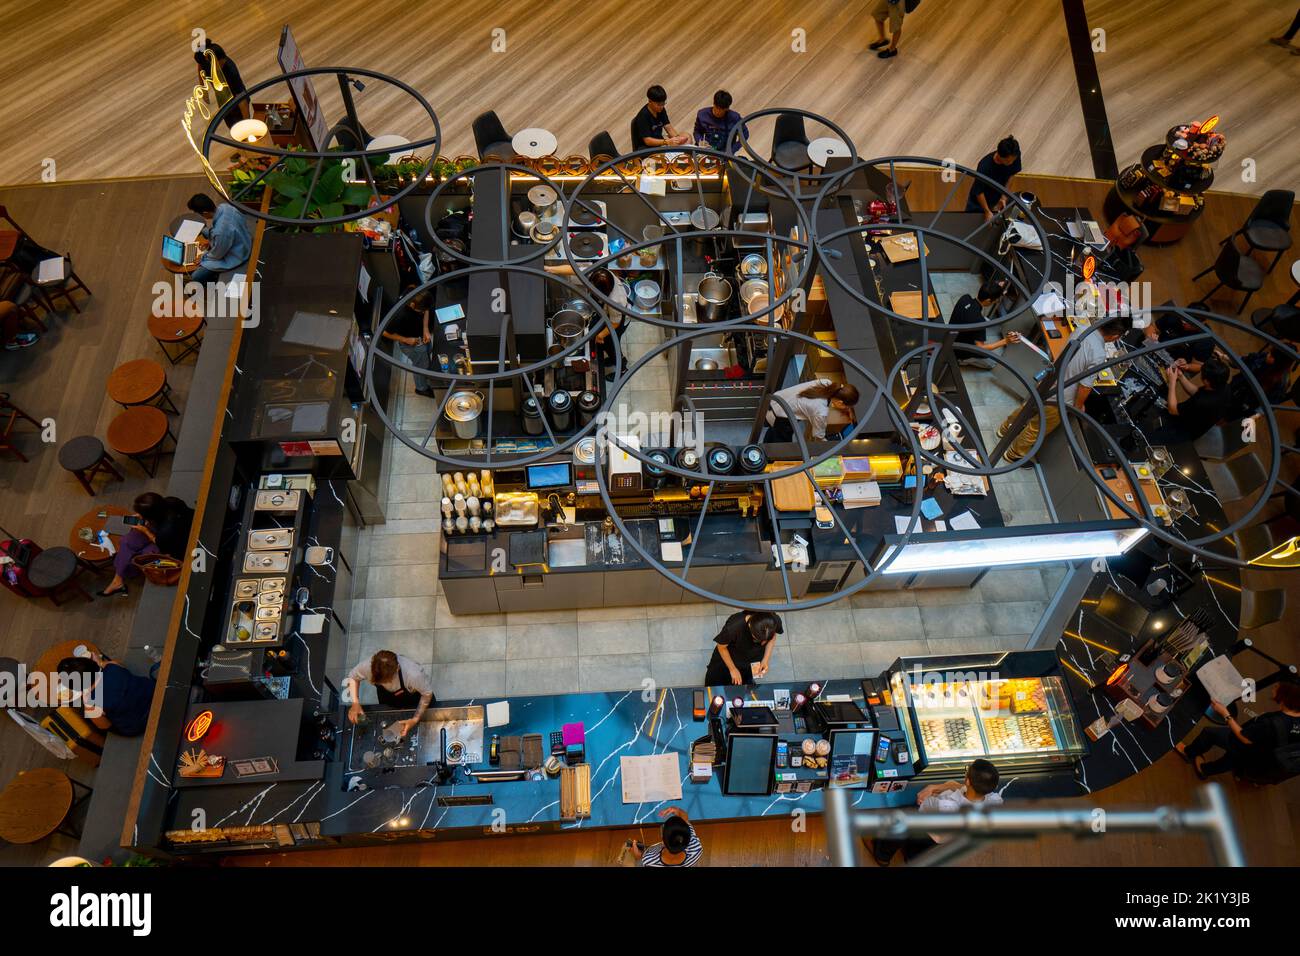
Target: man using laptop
x,y
229,243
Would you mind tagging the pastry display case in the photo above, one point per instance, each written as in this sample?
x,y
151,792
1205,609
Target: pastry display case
x,y
1013,709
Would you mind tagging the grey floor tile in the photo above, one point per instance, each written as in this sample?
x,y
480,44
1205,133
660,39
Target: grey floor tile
x,y
551,675
890,598
826,660
633,612
613,637
458,644
417,645
1011,584
567,615
877,657
541,641
612,671
403,491
819,627
408,526
1020,617
403,548
681,633
402,580
782,667
950,620
400,614
446,618
873,624
406,461
406,510
930,597
973,645
679,668
471,680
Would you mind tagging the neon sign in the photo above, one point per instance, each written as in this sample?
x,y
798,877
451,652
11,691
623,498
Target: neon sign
x,y
198,728
198,103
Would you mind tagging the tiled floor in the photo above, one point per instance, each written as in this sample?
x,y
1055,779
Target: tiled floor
x,y
400,607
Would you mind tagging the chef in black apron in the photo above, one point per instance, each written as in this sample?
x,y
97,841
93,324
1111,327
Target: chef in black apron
x,y
400,684
743,648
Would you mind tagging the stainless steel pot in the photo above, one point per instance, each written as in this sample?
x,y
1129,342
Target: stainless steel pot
x,y
465,411
525,222
752,266
714,296
544,201
568,325
752,287
703,221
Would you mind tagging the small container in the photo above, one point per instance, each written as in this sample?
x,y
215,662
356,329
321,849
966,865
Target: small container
x,y
531,412
560,405
753,459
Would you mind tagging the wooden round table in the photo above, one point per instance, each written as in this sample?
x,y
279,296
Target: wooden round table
x,y
48,662
90,551
177,328
34,805
139,382
139,431
171,231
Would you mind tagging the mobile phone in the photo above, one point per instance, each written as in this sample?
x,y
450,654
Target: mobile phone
x,y
1053,333
698,710
882,750
131,519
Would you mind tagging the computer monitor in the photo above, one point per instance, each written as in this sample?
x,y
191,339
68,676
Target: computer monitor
x,y
173,250
556,474
851,754
751,765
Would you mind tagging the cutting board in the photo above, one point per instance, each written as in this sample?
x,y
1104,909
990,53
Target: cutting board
x,y
901,247
792,493
909,304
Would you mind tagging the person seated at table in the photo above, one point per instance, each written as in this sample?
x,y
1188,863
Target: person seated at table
x,y
651,125
1189,356
1271,367
979,788
999,166
229,242
10,335
1258,749
819,402
972,310
742,651
1207,403
111,689
1090,354
400,684
163,527
680,846
713,124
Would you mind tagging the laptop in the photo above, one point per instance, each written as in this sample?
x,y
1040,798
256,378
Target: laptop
x,y
179,253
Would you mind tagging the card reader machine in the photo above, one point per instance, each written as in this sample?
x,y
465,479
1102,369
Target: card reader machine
x,y
896,767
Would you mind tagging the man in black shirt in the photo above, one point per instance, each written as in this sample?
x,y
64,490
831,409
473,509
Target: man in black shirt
x,y
1189,356
970,310
999,166
1254,748
1207,404
229,72
409,328
743,648
651,126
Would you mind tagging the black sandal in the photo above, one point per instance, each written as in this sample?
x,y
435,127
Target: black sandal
x,y
877,45
120,592
886,54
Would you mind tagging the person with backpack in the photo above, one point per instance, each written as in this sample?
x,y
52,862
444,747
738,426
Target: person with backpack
x,y
1266,748
893,11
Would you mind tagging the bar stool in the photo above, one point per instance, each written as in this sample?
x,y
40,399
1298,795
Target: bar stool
x,y
9,417
37,803
140,382
55,571
60,288
85,457
183,330
1236,270
139,433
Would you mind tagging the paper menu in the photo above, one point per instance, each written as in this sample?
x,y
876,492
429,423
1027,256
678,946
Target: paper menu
x,y
652,779
963,522
189,230
50,270
903,522
653,185
1221,678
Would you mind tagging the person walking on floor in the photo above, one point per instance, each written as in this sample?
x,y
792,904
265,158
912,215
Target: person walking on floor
x,y
1286,38
1266,748
893,11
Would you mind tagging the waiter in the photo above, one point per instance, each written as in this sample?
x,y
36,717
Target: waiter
x,y
607,344
742,651
813,403
400,683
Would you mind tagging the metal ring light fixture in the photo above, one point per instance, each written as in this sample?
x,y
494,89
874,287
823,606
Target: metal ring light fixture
x,y
1198,318
805,467
453,381
365,156
538,252
579,266
740,137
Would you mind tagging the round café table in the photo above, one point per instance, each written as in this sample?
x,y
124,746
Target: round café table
x,y
389,141
140,382
48,662
138,433
90,551
37,803
534,143
823,148
171,231
183,330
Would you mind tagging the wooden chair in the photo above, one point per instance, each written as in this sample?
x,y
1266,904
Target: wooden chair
x,y
10,414
62,288
141,382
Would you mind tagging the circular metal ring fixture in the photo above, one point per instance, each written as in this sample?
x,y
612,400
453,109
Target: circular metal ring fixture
x,y
361,158
739,136
541,248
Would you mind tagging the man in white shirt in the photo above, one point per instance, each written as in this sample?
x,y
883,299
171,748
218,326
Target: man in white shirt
x,y
1091,353
812,402
400,683
980,788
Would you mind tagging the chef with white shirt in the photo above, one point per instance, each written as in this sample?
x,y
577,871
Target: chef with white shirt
x,y
400,683
980,788
813,402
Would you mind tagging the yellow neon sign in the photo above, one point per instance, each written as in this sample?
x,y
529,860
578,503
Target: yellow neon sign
x,y
198,103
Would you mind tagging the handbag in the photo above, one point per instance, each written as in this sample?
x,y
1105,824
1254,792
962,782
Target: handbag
x,y
160,569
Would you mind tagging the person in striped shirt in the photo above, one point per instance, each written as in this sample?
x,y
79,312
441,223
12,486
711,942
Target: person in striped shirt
x,y
680,846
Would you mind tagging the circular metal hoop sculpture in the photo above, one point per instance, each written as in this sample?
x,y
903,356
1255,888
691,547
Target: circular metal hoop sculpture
x,y
804,467
361,158
1199,318
702,157
537,253
827,255
739,136
452,381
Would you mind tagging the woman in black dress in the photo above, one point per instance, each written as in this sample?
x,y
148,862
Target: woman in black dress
x,y
743,648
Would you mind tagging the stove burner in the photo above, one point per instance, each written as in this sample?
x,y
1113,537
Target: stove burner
x,y
584,217
587,245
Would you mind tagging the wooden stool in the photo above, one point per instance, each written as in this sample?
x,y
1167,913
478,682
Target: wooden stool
x,y
140,382
55,571
9,416
60,288
139,431
178,330
85,457
40,802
